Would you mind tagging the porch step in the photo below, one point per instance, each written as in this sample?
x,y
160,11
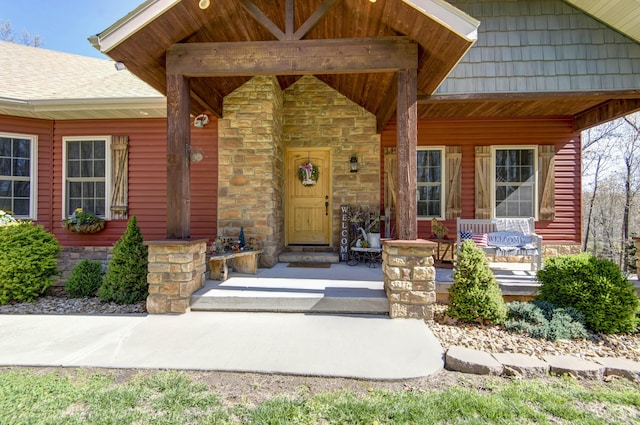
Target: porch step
x,y
308,257
338,289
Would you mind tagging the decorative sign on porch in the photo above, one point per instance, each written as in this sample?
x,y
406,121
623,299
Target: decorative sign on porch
x,y
344,232
308,174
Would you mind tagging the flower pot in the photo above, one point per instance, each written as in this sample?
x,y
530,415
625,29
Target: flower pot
x,y
85,228
374,240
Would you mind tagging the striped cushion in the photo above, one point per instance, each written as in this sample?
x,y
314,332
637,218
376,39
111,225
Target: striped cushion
x,y
479,239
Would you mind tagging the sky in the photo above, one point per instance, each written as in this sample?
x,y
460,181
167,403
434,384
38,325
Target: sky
x,y
65,25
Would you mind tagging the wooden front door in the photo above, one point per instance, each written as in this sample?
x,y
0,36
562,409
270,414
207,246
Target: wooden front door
x,y
308,208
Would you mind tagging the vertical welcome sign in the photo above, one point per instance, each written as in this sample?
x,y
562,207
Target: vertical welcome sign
x,y
344,232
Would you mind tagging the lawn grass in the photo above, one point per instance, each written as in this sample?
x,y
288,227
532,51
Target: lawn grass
x,y
170,397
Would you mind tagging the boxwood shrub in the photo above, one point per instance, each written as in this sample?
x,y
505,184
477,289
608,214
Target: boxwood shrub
x,y
595,287
28,262
86,279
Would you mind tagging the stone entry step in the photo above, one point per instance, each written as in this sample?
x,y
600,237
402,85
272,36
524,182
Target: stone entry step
x,y
308,257
337,289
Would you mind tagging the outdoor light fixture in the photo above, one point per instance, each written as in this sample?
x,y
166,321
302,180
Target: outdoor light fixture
x,y
200,121
354,163
195,154
203,4
120,66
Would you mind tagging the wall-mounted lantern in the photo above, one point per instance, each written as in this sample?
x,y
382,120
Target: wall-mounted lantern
x,y
354,163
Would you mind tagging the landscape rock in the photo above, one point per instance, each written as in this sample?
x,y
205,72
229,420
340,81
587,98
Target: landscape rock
x,y
467,360
522,365
615,366
574,366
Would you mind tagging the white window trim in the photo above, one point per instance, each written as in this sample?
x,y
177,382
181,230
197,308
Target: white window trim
x,y
107,182
33,170
495,148
443,189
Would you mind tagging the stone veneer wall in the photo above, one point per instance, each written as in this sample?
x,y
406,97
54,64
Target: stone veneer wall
x,y
316,115
72,255
409,278
176,270
250,176
259,121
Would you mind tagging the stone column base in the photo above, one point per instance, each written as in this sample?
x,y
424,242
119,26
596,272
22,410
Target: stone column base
x,y
176,270
409,278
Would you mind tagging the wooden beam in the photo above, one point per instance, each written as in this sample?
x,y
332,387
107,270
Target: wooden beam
x,y
178,140
290,20
387,108
315,17
298,57
406,210
604,112
262,19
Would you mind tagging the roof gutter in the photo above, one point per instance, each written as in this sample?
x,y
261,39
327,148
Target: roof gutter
x,y
448,16
36,106
130,24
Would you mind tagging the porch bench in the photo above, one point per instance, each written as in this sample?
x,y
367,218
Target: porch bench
x,y
506,237
242,261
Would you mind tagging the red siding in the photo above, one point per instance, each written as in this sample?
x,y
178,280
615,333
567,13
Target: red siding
x,y
468,133
147,175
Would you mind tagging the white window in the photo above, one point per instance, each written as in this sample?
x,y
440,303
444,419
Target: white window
x,y
430,182
514,178
18,170
86,180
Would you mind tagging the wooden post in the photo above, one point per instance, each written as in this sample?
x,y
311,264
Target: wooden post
x,y
406,208
178,140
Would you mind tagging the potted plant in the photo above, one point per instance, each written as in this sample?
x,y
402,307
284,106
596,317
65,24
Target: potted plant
x,y
83,222
373,236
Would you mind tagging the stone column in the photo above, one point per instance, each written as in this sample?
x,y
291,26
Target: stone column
x,y
409,278
176,270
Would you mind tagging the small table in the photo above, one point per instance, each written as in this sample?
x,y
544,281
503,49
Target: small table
x,y
371,256
448,247
241,261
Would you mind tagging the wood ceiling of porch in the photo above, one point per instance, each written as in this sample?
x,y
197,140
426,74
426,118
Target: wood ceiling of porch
x,y
228,21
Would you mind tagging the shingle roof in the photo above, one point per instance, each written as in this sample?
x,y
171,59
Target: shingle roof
x,y
30,73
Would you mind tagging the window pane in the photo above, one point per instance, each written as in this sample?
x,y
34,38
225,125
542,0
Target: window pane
x,y
100,192
22,148
99,149
21,167
21,207
5,166
5,146
21,189
86,150
88,190
6,188
86,168
73,150
517,167
74,204
98,168
74,190
99,207
73,169
5,204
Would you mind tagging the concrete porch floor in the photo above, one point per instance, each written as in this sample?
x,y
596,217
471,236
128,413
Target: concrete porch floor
x,y
339,288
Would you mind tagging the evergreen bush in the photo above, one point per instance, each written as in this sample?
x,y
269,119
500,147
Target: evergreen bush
x,y
541,319
593,286
86,278
126,278
475,294
28,261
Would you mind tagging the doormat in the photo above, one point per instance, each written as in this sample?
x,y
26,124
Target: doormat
x,y
443,264
311,265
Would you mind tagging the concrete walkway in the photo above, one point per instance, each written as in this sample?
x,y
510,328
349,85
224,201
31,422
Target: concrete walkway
x,y
366,347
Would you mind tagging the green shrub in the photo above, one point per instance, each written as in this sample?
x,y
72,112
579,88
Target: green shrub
x,y
475,294
86,279
126,278
541,319
593,286
28,262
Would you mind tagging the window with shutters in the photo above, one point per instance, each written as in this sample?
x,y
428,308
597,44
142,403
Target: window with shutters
x,y
430,182
514,179
18,165
86,180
